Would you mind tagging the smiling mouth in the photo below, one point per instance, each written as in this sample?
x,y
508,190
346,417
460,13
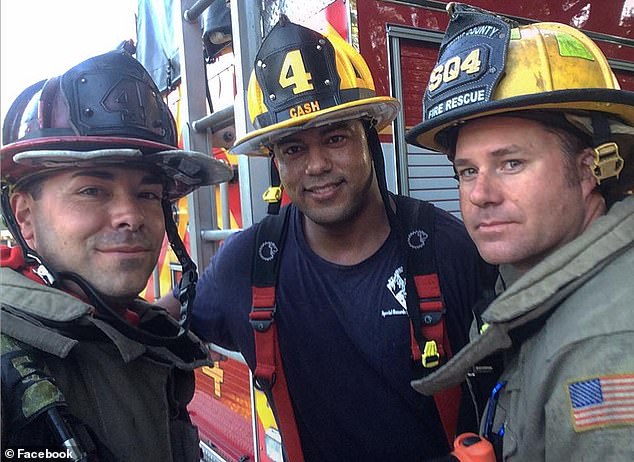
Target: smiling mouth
x,y
323,190
125,250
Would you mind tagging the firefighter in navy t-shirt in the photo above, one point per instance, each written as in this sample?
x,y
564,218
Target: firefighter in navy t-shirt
x,y
341,298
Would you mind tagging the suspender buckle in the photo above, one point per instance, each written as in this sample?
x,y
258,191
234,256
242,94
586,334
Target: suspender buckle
x,y
431,318
272,194
263,308
265,385
259,325
262,318
431,357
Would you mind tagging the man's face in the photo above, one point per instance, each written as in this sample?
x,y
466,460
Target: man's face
x,y
519,198
104,223
327,171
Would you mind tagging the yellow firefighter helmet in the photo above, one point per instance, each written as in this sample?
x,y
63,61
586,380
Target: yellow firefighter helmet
x,y
304,79
487,67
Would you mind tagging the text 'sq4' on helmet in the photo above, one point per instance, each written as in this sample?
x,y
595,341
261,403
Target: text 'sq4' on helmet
x,y
303,79
487,67
106,110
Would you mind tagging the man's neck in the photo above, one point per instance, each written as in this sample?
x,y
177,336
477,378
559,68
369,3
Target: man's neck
x,y
351,242
595,207
118,305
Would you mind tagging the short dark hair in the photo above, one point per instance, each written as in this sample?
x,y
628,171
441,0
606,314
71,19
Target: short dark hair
x,y
571,146
32,186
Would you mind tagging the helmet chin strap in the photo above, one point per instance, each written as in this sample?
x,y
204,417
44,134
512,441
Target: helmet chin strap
x,y
104,311
187,284
55,279
374,144
30,256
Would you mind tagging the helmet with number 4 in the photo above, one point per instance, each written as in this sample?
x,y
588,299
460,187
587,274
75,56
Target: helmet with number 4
x,y
303,79
105,110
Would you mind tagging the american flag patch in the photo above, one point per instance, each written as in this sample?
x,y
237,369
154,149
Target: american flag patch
x,y
602,401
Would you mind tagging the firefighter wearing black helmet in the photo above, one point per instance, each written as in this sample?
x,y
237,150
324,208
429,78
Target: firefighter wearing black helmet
x,y
90,165
540,135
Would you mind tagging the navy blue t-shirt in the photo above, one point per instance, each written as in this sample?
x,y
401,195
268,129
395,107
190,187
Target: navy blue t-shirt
x,y
344,337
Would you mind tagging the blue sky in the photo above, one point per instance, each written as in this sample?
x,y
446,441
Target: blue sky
x,y
43,38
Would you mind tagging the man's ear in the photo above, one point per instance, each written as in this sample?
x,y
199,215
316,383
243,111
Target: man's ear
x,y
585,165
22,206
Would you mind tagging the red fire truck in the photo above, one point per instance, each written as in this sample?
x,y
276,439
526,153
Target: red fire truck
x,y
201,53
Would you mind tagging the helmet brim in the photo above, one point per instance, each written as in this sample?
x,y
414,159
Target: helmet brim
x,y
619,103
186,170
381,109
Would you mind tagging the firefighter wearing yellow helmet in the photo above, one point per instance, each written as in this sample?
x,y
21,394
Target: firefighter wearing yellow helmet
x,y
540,136
301,80
336,269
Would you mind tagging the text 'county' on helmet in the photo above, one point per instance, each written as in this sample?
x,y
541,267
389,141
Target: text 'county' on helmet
x,y
303,79
103,111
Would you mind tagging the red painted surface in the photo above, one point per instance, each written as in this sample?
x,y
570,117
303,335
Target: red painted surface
x,y
224,422
337,16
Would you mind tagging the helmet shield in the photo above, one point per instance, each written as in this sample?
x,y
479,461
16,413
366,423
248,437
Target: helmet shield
x,y
470,64
106,95
307,79
303,79
105,101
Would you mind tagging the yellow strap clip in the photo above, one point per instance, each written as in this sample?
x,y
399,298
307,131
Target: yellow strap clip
x,y
607,161
430,358
272,194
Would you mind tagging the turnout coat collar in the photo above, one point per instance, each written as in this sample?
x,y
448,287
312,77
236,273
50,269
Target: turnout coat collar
x,y
40,316
537,292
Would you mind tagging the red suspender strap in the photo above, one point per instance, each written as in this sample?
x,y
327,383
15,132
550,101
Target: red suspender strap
x,y
261,318
269,370
448,404
282,402
428,335
431,310
434,328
